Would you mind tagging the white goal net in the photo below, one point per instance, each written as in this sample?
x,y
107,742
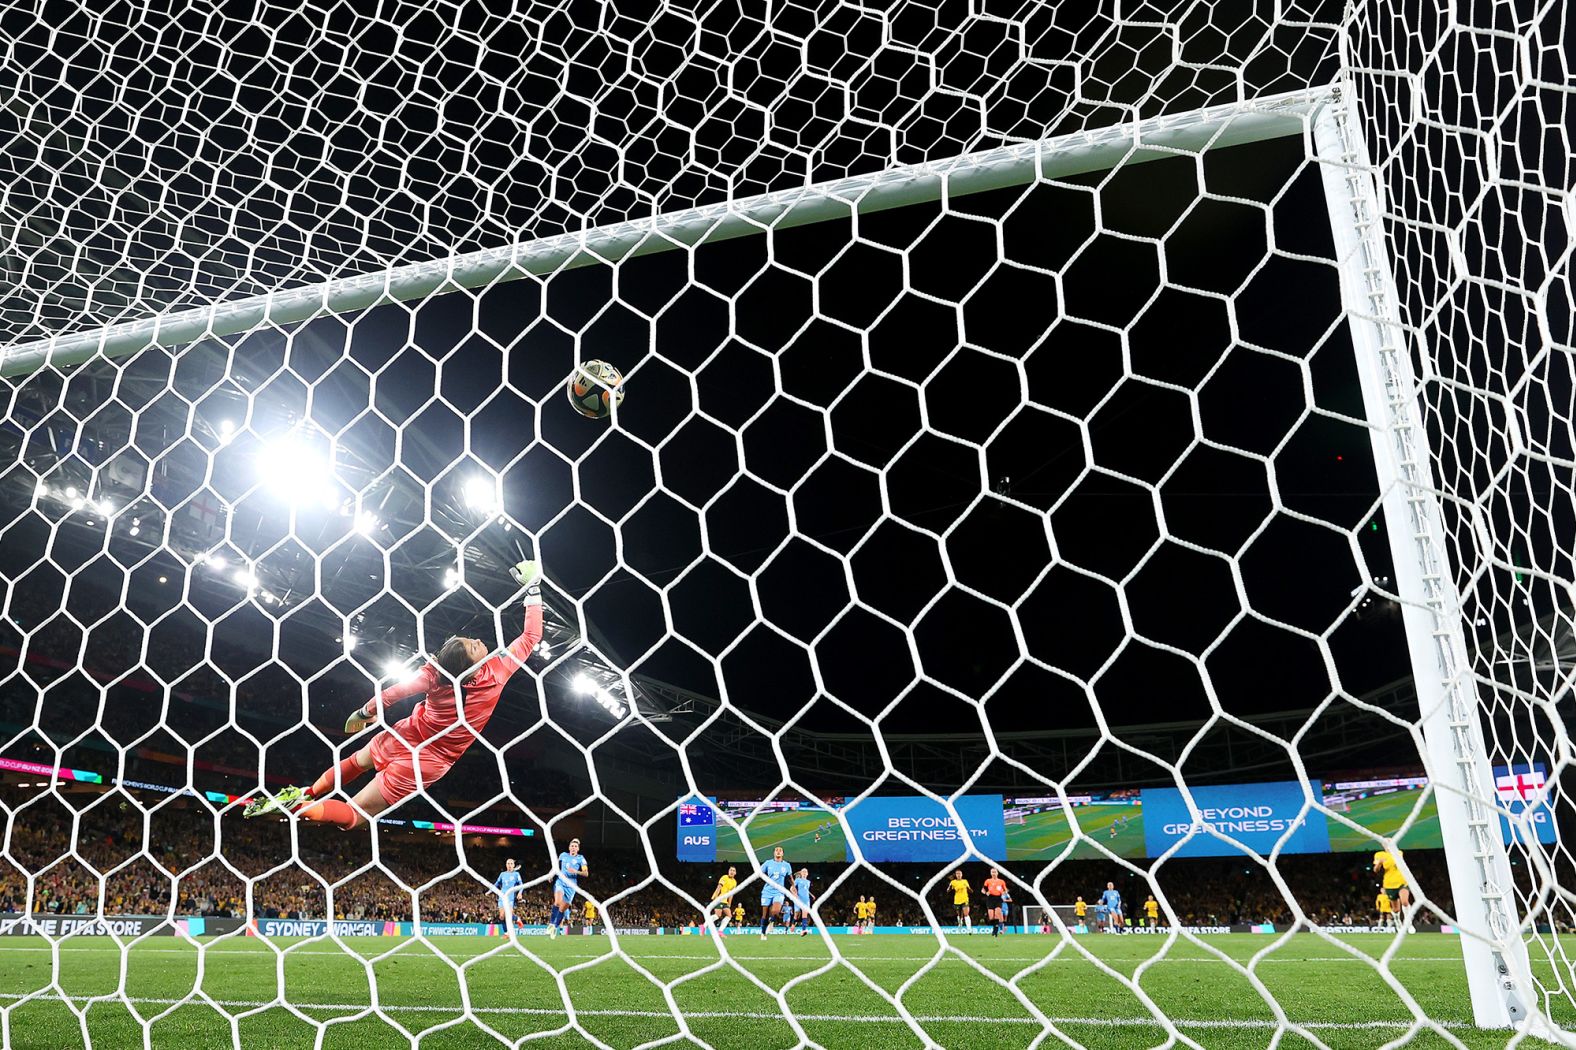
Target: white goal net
x,y
1122,448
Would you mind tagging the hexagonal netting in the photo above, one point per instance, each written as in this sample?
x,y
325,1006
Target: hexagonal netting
x,y
1062,440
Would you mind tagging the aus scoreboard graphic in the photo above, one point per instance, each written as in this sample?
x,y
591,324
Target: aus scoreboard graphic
x,y
697,829
1526,802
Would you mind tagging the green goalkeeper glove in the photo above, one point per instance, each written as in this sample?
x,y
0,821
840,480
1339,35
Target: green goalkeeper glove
x,y
358,720
528,574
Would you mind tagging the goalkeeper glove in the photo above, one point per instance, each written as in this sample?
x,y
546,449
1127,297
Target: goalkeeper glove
x,y
358,720
528,574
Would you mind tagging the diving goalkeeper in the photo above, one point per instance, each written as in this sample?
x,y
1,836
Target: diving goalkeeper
x,y
420,748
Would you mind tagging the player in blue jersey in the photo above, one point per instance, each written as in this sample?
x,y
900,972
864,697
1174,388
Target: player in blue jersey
x,y
801,892
1112,900
571,865
507,886
774,892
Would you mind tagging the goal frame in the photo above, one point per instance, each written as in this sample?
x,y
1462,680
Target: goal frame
x,y
1460,770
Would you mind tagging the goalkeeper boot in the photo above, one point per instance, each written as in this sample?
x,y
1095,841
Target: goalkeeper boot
x,y
289,798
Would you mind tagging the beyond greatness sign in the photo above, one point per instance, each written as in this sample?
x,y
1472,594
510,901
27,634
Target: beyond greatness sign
x,y
1230,817
913,827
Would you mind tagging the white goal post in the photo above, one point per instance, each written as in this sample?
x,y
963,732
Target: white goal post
x,y
1498,966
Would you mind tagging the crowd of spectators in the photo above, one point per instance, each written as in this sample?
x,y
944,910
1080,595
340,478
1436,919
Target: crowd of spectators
x,y
227,867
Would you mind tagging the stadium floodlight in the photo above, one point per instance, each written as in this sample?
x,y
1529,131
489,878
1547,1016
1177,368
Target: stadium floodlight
x,y
215,561
71,492
297,472
350,643
246,578
451,578
585,685
480,494
41,490
366,523
226,431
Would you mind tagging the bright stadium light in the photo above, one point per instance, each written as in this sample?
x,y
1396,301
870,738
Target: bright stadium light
x,y
215,561
297,471
585,685
366,523
71,492
246,578
42,490
350,643
226,430
479,494
451,578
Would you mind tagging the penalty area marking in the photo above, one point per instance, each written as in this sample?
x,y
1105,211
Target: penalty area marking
x,y
739,1015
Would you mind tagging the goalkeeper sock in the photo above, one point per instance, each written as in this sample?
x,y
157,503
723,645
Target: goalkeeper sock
x,y
332,811
348,770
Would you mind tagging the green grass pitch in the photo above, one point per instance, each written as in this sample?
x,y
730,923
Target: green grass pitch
x,y
793,830
1043,835
1339,996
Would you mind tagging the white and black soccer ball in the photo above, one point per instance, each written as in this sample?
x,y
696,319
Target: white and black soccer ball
x,y
594,388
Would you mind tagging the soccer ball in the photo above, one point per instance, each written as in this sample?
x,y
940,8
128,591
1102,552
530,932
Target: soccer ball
x,y
594,387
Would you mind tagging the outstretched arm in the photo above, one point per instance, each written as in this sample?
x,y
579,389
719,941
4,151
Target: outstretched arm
x,y
527,574
423,681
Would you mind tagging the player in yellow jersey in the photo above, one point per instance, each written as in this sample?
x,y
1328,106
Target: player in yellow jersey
x,y
870,914
738,913
1386,864
722,898
1080,911
590,914
1386,912
859,912
1152,912
960,900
